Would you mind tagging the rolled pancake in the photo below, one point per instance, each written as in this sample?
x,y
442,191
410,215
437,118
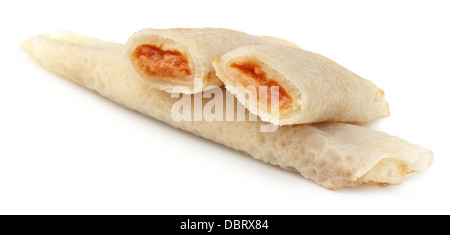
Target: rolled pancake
x,y
331,154
166,58
311,88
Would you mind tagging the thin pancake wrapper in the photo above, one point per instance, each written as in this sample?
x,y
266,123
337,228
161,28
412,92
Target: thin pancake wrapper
x,y
332,155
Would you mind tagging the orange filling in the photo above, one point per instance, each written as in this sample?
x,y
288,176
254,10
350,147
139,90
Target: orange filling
x,y
259,78
156,62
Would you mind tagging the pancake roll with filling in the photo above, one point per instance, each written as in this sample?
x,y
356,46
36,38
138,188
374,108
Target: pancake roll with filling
x,y
310,87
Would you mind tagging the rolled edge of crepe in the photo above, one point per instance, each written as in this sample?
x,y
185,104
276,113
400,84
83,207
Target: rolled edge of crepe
x,y
333,155
167,58
311,88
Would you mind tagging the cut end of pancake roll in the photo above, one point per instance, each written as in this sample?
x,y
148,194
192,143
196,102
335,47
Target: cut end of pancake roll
x,y
163,62
262,89
310,88
154,61
167,58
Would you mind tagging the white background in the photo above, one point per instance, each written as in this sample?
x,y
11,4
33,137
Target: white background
x,y
66,150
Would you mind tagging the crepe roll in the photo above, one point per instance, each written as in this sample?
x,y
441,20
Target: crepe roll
x,y
310,87
167,58
331,154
